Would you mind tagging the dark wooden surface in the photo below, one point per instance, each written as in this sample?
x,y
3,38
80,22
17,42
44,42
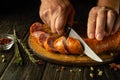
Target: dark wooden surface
x,y
45,70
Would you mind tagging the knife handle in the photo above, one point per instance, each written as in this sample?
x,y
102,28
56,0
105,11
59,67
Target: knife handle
x,y
67,29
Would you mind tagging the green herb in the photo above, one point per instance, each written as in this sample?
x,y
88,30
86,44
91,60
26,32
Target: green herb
x,y
27,51
18,58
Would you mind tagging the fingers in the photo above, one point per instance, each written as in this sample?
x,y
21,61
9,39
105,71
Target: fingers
x,y
53,20
117,25
60,23
92,23
56,14
110,21
45,15
100,24
63,19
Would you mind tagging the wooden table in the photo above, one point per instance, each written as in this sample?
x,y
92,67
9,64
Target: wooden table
x,y
44,70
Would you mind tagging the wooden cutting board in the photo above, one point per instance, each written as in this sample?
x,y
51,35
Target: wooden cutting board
x,y
63,59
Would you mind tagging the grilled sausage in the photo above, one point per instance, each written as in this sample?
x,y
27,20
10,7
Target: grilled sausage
x,y
36,27
40,37
53,42
60,45
49,44
110,42
74,46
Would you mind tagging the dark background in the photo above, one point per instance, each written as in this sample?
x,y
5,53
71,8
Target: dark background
x,y
18,6
81,7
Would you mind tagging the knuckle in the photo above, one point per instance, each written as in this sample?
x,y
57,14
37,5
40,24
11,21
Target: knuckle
x,y
44,13
111,13
94,9
61,8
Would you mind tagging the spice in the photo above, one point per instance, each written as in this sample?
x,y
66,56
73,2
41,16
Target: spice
x,y
71,70
57,70
4,41
111,54
91,75
3,58
100,73
40,62
91,68
79,70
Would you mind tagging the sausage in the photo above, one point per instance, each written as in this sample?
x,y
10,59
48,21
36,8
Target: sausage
x,y
42,37
74,46
49,44
68,46
108,43
53,42
60,45
36,27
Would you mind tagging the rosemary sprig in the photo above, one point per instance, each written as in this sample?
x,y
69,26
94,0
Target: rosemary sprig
x,y
18,58
27,51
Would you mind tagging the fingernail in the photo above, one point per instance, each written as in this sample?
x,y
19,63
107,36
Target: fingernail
x,y
91,36
99,37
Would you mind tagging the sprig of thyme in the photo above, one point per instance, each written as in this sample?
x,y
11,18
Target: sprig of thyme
x,y
18,57
27,51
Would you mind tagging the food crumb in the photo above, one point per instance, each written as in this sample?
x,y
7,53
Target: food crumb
x,y
2,56
71,70
91,75
111,54
3,60
91,68
100,73
57,70
79,70
40,62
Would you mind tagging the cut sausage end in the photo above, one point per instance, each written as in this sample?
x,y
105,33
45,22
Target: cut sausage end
x,y
59,44
74,46
49,44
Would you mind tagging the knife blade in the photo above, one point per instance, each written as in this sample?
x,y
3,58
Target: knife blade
x,y
87,50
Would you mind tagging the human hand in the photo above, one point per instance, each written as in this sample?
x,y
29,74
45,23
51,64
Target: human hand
x,y
102,22
56,14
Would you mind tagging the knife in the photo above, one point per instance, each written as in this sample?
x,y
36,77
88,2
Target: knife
x,y
87,50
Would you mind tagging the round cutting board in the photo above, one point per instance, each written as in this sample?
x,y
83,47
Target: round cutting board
x,y
64,59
